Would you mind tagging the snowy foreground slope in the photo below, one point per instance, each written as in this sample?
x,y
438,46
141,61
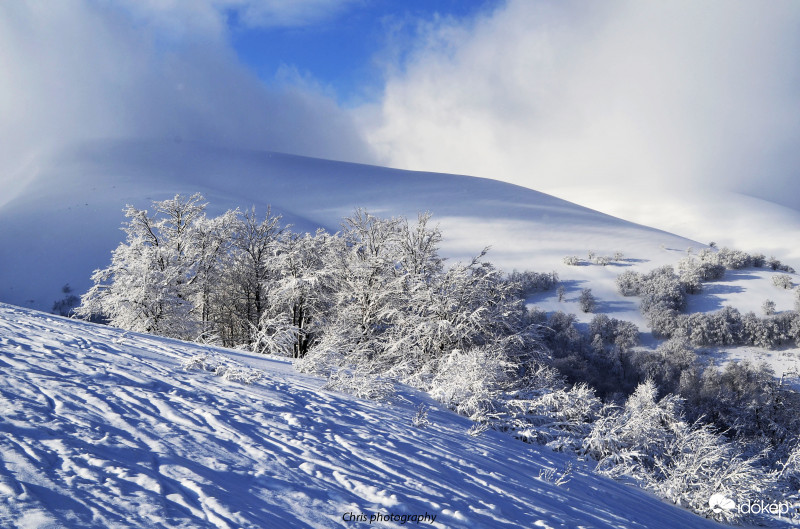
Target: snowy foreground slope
x,y
65,221
102,428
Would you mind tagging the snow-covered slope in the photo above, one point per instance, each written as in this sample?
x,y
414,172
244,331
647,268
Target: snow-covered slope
x,y
102,428
65,221
726,216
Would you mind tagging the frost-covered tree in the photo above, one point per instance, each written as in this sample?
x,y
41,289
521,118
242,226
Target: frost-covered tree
x,y
249,274
300,296
369,287
213,240
152,278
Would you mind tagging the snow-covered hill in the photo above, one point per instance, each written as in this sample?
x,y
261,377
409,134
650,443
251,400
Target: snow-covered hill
x,y
103,428
65,221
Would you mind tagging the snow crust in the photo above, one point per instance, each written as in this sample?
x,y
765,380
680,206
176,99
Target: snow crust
x,y
105,428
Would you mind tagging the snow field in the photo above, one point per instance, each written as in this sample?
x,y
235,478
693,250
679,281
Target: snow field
x,y
103,428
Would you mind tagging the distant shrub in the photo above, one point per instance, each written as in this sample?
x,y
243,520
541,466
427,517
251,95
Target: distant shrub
x,y
587,301
527,282
734,259
572,260
661,289
775,264
768,307
613,332
782,281
66,305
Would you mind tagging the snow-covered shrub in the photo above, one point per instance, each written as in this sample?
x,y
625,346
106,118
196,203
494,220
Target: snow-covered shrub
x,y
557,477
672,360
661,288
722,327
782,281
471,381
745,400
199,362
224,367
477,429
557,417
323,359
619,256
698,464
649,441
275,336
734,259
420,418
628,283
613,332
560,333
244,375
527,282
627,441
572,260
775,264
361,385
690,275
789,468
758,331
768,307
602,260
587,301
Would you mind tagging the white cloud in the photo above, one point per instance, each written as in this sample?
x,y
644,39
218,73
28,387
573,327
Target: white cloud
x,y
549,95
78,70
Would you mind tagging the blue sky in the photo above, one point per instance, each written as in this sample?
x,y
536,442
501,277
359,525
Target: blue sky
x,y
345,51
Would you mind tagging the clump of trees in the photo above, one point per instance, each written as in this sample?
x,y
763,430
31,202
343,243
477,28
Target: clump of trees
x,y
374,303
663,299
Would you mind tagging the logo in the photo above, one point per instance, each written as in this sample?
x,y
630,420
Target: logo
x,y
721,503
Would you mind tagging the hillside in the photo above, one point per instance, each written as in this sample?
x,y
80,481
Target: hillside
x,y
65,221
104,428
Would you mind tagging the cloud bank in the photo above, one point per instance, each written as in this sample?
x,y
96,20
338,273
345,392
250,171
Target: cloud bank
x,y
619,94
78,70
